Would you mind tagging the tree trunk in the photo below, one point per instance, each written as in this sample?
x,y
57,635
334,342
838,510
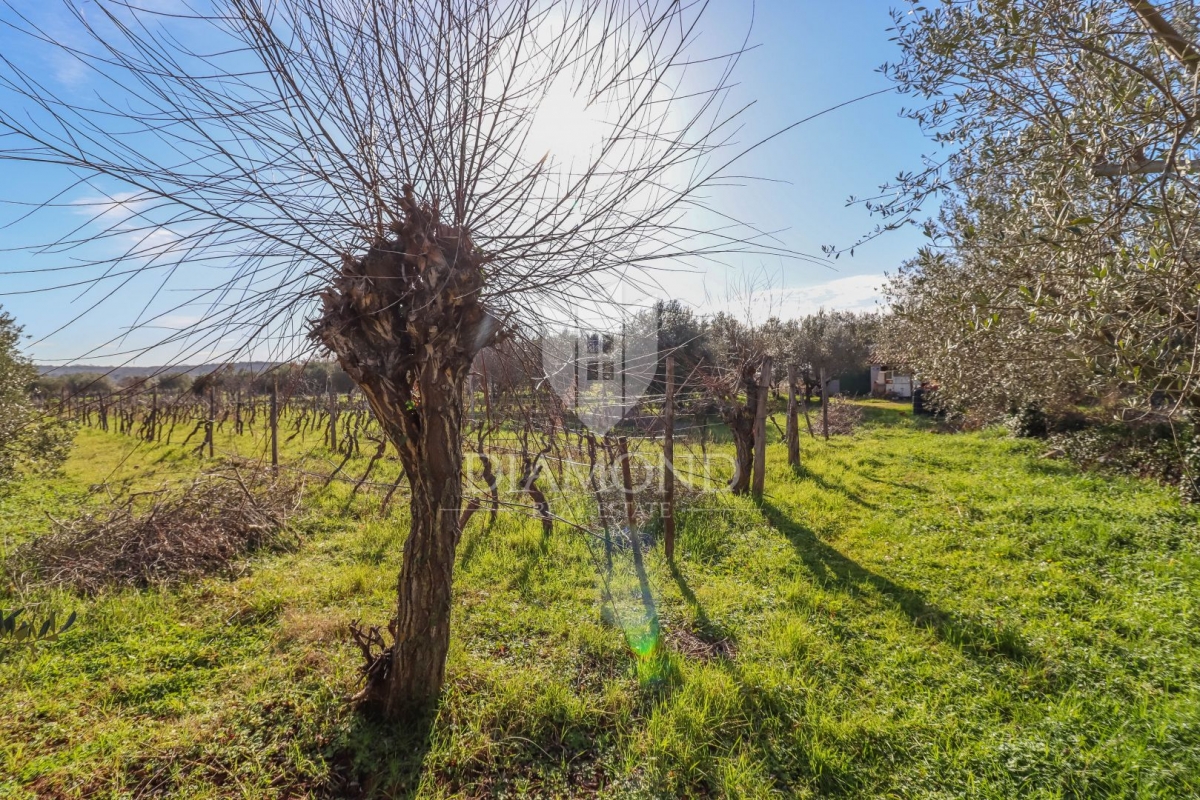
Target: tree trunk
x,y
807,417
743,452
740,419
433,464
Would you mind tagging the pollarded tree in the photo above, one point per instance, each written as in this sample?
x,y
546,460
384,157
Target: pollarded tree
x,y
398,161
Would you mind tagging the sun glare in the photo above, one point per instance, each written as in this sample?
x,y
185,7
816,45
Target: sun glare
x,y
565,128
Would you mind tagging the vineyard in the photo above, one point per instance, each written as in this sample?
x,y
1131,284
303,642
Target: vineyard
x,y
521,434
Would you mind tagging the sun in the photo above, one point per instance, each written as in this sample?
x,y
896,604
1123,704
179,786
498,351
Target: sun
x,y
566,129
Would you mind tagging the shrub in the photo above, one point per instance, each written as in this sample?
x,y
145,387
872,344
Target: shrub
x,y
30,441
1146,450
1189,481
1028,422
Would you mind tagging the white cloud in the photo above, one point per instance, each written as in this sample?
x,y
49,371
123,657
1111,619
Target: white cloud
x,y
849,293
131,212
179,322
112,209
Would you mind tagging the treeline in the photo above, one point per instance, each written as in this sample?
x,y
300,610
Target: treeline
x,y
313,377
840,343
836,343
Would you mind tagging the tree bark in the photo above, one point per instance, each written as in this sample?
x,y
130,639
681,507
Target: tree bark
x,y
740,419
433,466
1183,49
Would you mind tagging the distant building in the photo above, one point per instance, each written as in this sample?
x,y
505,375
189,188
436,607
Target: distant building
x,y
890,383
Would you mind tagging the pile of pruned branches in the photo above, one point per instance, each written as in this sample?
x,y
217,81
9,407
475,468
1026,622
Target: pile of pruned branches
x,y
844,418
163,536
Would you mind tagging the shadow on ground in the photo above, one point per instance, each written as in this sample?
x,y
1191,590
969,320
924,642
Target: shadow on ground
x,y
832,569
375,758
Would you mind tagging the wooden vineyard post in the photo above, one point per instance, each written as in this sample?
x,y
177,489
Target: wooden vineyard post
x,y
627,481
760,430
275,422
212,418
793,421
151,431
333,419
669,461
824,404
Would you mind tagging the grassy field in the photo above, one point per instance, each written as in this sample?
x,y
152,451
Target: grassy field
x,y
913,614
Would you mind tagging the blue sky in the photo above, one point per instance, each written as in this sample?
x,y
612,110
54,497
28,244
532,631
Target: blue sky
x,y
809,55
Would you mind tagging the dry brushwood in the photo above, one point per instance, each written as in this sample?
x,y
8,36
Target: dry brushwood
x,y
697,644
844,417
201,530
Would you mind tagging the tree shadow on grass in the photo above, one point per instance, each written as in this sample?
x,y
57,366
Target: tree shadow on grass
x,y
907,487
521,579
376,758
885,417
468,546
834,569
709,631
644,637
760,708
835,487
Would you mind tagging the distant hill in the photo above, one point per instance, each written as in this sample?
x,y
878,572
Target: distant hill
x,y
116,373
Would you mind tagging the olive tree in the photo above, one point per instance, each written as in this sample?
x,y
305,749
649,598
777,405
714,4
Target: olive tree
x,y
838,342
732,379
379,169
1064,255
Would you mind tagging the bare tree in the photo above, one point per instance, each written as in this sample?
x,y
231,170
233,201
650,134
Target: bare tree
x,y
384,157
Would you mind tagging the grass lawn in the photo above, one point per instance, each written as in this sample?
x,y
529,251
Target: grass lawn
x,y
912,614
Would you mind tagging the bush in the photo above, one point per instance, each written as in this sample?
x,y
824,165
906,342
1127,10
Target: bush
x,y
30,441
1146,450
1189,481
1189,484
1028,422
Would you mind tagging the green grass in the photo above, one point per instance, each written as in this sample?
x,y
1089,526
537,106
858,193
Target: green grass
x,y
912,614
